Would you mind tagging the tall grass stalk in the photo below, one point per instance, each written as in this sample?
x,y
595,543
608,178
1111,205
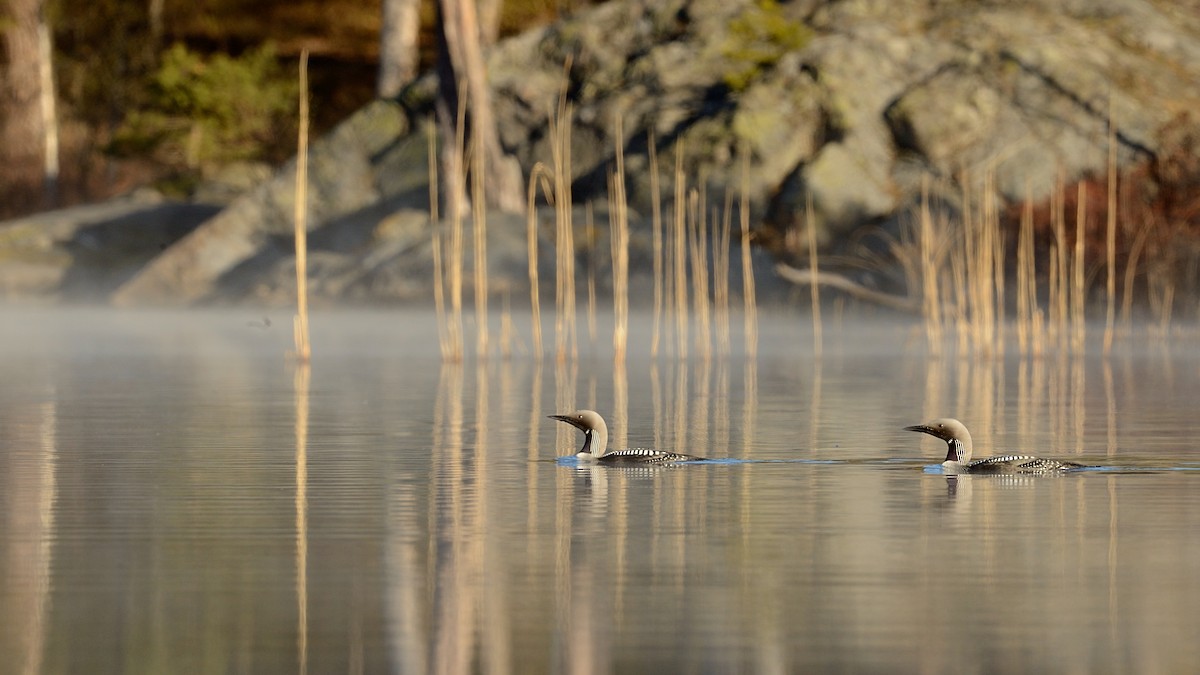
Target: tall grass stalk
x,y
1131,267
698,255
439,272
439,297
930,278
589,229
454,257
300,324
564,243
656,226
721,277
1110,236
478,205
619,241
749,303
1060,266
996,308
679,255
1029,316
538,175
1078,327
810,223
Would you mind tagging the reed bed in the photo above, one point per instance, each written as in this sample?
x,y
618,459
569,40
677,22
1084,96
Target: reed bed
x,y
300,324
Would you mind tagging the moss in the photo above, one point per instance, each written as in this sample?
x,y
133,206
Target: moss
x,y
758,38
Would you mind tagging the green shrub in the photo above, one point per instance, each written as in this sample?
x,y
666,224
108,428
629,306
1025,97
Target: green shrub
x,y
203,112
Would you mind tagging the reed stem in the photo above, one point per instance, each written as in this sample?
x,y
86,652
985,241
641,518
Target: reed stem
x,y
300,327
619,240
810,223
749,303
679,255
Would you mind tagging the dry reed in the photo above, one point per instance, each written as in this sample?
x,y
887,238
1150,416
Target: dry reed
x,y
1078,327
698,255
930,281
749,302
454,259
589,230
814,289
619,241
478,206
657,242
721,277
300,324
1029,317
1110,236
560,146
1060,267
679,255
439,272
539,175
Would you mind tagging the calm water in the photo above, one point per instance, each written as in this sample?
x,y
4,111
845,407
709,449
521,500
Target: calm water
x,y
179,499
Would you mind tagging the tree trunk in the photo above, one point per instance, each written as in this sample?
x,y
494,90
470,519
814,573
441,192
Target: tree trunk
x,y
462,72
23,130
398,46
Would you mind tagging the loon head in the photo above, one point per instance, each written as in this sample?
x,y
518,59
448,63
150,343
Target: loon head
x,y
958,439
595,431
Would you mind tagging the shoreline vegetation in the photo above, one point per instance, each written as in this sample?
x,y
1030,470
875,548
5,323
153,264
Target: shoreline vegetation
x,y
957,269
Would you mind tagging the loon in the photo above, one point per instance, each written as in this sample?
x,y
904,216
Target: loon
x,y
595,443
958,454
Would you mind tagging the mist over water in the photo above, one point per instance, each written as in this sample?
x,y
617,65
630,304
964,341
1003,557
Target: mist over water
x,y
178,497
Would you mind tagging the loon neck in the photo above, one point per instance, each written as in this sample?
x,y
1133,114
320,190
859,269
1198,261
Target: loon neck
x,y
958,451
595,444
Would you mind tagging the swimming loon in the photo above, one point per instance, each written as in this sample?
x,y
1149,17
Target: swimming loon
x,y
595,443
958,454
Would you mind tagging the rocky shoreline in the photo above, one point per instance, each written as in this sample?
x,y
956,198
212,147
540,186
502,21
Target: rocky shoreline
x,y
854,103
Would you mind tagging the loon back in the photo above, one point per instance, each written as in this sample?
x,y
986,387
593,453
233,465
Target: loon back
x,y
644,456
1020,464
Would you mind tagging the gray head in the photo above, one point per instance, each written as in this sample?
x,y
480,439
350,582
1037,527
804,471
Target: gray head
x,y
958,439
595,431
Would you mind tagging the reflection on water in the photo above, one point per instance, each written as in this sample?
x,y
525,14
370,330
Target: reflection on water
x,y
179,498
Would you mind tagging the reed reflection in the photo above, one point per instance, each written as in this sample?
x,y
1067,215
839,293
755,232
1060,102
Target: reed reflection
x,y
301,385
29,484
452,524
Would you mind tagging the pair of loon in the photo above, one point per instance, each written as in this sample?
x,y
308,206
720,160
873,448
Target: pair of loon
x,y
953,432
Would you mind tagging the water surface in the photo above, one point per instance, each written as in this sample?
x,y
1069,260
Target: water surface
x,y
178,497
